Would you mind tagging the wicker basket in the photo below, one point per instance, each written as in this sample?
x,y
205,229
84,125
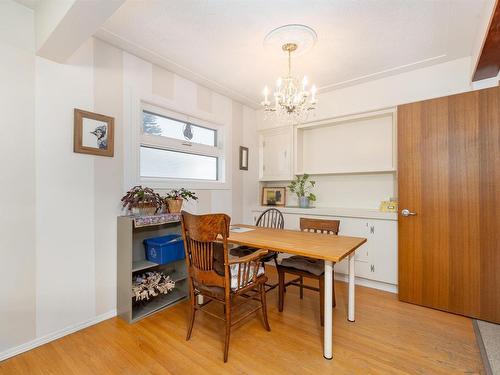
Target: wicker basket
x,y
174,205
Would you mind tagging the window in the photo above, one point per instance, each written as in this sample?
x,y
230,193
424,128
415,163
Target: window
x,y
174,164
175,147
167,127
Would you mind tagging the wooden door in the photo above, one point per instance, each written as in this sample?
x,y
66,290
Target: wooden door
x,y
449,176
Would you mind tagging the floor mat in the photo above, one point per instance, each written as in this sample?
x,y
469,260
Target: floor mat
x,y
488,339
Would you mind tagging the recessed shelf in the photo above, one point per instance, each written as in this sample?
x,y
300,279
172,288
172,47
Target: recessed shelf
x,y
364,144
142,265
158,303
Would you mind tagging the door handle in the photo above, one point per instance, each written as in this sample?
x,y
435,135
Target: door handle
x,y
406,212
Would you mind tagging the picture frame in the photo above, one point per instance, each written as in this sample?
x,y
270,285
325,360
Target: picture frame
x,y
273,196
243,158
93,133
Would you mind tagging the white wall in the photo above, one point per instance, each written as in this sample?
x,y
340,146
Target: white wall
x,y
65,272
58,239
17,177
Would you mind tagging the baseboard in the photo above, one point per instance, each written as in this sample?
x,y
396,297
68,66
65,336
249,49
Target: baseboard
x,y
368,283
55,335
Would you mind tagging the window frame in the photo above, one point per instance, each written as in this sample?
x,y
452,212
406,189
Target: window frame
x,y
220,151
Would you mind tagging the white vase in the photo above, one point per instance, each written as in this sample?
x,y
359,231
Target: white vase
x,y
303,202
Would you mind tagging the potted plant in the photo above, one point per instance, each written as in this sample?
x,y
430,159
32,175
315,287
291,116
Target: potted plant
x,y
176,197
142,199
302,187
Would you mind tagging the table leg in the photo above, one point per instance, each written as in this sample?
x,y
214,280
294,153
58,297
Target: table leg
x,y
328,324
350,308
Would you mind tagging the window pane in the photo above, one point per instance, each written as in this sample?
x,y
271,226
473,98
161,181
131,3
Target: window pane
x,y
158,125
172,164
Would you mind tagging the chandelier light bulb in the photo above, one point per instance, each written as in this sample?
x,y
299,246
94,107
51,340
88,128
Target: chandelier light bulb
x,y
313,94
304,83
266,93
279,81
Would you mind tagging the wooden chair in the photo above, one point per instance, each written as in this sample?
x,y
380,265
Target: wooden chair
x,y
216,277
270,218
307,267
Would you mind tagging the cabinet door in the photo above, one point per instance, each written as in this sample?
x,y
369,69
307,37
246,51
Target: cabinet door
x,y
357,228
383,237
275,156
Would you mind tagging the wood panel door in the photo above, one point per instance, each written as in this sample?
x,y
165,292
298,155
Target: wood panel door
x,y
449,177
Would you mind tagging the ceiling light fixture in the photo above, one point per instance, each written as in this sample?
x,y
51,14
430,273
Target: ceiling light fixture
x,y
292,100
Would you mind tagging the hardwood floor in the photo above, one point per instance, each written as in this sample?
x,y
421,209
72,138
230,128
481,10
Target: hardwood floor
x,y
388,337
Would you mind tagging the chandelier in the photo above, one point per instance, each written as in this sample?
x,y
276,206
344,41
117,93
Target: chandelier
x,y
292,100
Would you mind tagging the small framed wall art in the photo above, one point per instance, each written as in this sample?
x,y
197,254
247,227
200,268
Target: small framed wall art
x,y
273,196
243,158
93,133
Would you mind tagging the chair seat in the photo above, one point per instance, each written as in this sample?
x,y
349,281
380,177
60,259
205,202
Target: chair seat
x,y
242,251
311,265
234,268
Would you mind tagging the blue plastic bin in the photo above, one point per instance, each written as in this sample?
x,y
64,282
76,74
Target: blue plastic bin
x,y
164,249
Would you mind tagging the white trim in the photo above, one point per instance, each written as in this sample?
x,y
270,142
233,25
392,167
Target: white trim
x,y
55,335
384,73
347,118
386,287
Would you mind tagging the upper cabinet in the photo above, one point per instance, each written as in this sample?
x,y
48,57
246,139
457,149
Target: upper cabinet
x,y
275,154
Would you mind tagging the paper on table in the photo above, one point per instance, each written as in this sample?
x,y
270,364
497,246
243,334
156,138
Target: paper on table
x,y
240,229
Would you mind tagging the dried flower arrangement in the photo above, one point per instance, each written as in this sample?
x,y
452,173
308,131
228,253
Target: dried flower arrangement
x,y
151,284
144,199
176,197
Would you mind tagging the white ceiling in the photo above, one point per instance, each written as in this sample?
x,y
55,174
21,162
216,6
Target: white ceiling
x,y
219,43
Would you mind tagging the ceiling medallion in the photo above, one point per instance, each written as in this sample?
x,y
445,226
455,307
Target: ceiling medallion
x,y
292,100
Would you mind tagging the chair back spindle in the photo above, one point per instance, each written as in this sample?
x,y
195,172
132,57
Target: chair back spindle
x,y
271,218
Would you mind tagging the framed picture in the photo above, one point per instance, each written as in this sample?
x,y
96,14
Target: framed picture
x,y
244,158
94,133
273,196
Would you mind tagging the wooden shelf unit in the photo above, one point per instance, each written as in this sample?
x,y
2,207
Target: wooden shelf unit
x,y
131,257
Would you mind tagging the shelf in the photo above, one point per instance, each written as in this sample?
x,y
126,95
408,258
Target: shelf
x,y
321,173
158,303
142,265
335,211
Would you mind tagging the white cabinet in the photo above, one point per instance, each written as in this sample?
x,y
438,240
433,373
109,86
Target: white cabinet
x,y
275,154
377,258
